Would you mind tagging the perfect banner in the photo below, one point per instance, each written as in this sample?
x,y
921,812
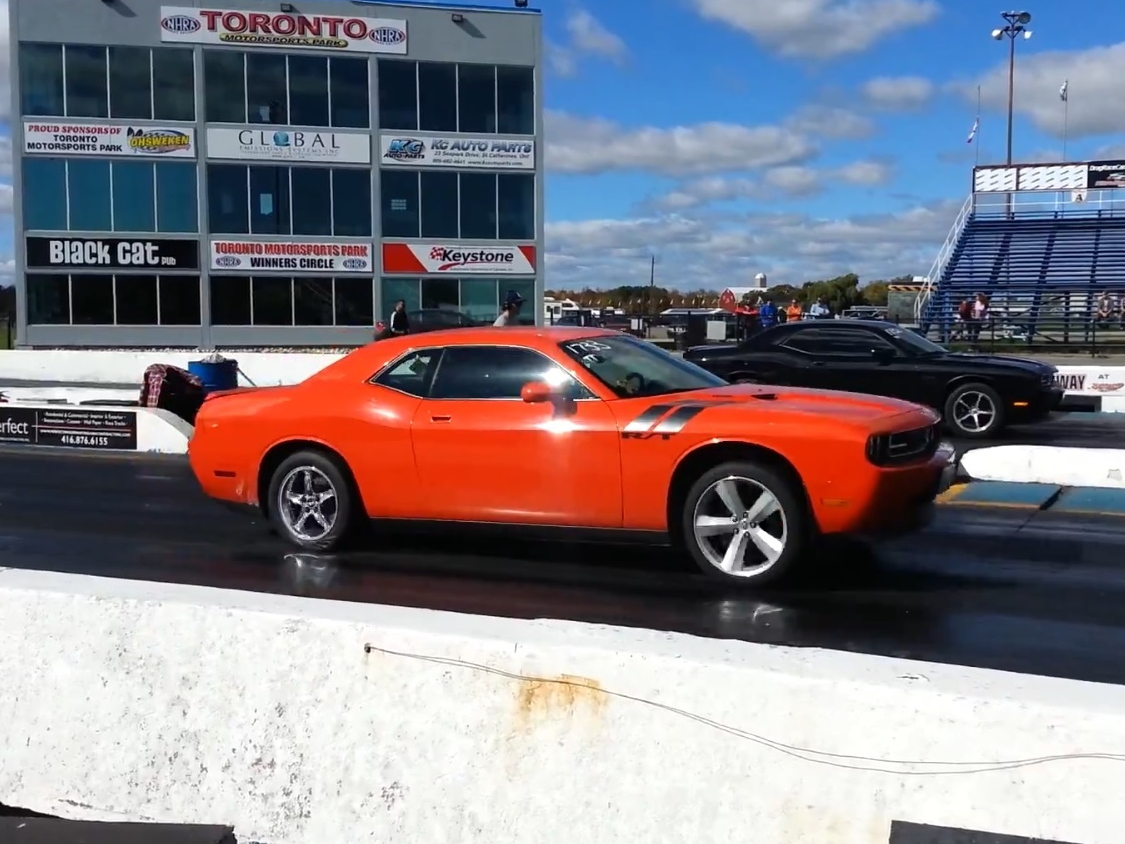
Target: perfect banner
x,y
71,138
289,145
463,153
285,29
69,427
286,256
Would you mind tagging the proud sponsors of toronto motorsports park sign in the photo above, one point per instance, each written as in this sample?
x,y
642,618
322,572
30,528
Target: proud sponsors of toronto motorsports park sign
x,y
458,259
242,255
289,145
69,138
491,153
111,253
238,28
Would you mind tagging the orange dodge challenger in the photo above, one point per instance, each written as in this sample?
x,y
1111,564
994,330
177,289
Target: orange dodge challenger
x,y
571,428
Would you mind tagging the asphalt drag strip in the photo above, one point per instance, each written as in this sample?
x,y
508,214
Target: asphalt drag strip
x,y
1017,590
1068,430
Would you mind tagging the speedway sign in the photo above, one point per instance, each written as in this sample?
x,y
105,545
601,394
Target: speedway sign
x,y
239,28
462,152
320,257
70,138
458,259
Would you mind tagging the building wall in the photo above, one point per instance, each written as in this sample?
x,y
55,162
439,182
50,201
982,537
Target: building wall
x,y
508,39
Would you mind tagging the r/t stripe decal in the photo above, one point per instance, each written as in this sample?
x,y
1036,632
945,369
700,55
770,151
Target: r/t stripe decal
x,y
666,420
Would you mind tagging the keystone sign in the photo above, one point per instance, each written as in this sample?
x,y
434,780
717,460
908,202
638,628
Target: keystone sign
x,y
111,253
458,259
240,28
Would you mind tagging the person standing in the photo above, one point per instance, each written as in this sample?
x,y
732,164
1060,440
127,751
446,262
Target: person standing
x,y
510,311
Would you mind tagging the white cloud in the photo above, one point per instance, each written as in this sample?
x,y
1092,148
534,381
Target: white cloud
x,y
718,251
819,29
594,145
898,93
1097,97
586,36
834,122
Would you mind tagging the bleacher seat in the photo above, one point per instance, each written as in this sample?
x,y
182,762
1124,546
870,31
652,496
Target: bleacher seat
x,y
1037,267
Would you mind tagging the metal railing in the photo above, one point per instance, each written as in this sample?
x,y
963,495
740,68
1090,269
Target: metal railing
x,y
933,277
1055,204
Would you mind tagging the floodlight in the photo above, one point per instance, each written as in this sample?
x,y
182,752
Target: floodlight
x,y
1023,18
997,34
1026,34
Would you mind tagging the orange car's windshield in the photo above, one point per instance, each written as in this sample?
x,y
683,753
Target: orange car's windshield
x,y
632,367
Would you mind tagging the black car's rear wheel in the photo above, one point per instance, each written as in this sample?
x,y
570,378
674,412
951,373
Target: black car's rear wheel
x,y
974,411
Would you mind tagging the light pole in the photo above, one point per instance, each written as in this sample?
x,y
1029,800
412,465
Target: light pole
x,y
1015,26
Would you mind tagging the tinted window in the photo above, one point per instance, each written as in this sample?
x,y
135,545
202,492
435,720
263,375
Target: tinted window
x,y
134,206
44,194
354,302
526,290
179,300
836,341
480,298
478,205
41,79
399,200
632,367
516,202
224,81
173,84
91,207
136,300
266,95
312,212
393,289
308,90
439,205
439,293
177,197
351,203
91,299
272,300
493,372
350,93
398,95
228,199
87,81
230,300
476,98
412,374
48,299
130,86
515,100
269,200
437,97
312,301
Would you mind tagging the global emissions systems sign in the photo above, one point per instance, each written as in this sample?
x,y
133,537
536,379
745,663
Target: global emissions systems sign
x,y
303,145
111,253
70,138
237,28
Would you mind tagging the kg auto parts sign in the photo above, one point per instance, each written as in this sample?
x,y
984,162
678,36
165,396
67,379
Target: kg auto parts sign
x,y
463,153
69,138
239,28
458,259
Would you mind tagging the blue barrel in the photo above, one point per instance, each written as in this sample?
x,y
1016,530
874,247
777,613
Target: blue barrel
x,y
218,375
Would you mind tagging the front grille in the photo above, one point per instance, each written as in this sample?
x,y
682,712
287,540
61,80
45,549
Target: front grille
x,y
903,446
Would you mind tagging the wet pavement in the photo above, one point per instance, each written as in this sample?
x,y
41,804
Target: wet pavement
x,y
1026,591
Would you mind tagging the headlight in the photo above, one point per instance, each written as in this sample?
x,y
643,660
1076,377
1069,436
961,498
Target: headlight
x,y
903,446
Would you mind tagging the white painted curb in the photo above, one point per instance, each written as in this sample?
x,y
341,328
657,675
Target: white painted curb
x,y
1043,464
158,431
128,700
68,395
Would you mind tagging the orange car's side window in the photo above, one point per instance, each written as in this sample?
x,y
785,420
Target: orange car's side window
x,y
412,374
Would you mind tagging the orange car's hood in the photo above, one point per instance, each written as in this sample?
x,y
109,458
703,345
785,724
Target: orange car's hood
x,y
867,411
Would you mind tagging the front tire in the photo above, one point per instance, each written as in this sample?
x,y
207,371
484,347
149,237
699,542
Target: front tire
x,y
974,411
746,524
311,501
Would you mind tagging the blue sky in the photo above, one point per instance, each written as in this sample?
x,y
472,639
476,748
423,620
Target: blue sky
x,y
800,138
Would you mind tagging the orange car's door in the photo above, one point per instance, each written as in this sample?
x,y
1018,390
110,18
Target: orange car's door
x,y
485,455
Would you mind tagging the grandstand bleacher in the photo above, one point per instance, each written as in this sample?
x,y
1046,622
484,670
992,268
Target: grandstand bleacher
x,y
1044,259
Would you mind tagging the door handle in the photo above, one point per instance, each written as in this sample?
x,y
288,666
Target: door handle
x,y
441,418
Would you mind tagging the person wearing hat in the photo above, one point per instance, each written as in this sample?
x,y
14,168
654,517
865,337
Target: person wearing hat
x,y
509,313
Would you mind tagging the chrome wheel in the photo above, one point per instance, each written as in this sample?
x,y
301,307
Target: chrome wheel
x,y
740,527
307,504
974,412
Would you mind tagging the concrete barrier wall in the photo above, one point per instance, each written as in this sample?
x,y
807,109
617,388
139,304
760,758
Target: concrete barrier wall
x,y
301,721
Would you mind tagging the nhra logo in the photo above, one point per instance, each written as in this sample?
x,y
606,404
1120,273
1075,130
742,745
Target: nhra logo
x,y
406,149
354,264
180,24
387,35
450,258
227,261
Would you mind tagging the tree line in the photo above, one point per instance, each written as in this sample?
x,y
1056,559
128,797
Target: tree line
x,y
840,293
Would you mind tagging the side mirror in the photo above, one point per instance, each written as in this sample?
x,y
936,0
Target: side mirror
x,y
536,392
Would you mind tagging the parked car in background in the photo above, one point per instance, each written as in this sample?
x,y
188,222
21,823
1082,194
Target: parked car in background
x,y
978,395
435,319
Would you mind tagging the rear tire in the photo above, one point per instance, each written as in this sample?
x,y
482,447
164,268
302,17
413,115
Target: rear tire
x,y
974,411
311,503
745,524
